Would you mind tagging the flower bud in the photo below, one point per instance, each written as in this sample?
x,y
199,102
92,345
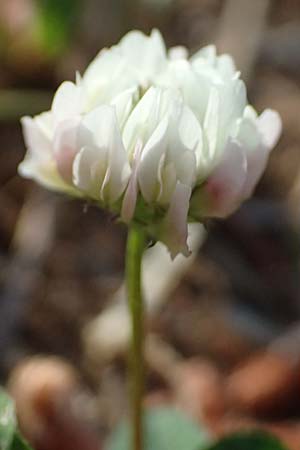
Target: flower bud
x,y
159,138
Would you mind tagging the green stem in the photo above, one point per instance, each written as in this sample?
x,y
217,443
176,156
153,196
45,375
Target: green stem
x,y
136,243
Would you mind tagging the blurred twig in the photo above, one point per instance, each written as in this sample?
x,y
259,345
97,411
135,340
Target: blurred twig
x,y
31,242
287,343
240,32
281,47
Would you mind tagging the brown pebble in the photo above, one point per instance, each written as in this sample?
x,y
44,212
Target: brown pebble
x,y
199,390
263,385
44,389
36,384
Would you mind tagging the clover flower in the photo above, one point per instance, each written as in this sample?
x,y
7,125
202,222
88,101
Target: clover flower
x,y
156,137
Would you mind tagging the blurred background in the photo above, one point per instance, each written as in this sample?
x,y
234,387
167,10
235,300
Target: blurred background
x,y
224,344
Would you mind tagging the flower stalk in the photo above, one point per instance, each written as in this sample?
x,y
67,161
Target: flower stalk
x,y
136,243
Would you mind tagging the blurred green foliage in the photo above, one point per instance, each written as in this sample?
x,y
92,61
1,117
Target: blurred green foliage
x,y
165,429
249,440
10,438
55,24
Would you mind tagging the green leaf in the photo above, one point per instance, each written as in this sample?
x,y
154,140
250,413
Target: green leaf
x,y
55,23
10,438
19,443
250,440
165,429
8,421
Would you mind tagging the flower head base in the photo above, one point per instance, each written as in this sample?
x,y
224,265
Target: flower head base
x,y
154,136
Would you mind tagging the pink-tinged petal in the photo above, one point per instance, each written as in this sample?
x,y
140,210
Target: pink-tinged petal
x,y
256,164
39,162
222,193
130,197
174,230
65,146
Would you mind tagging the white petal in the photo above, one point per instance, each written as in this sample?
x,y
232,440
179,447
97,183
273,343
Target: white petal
x,y
178,52
149,165
267,129
103,65
92,131
226,105
270,126
146,116
67,101
190,134
189,128
185,141
115,180
44,173
174,230
232,105
106,77
36,141
250,113
186,167
256,162
248,134
146,53
44,121
182,76
167,179
124,103
99,130
170,151
226,66
89,170
130,196
118,168
78,79
171,170
39,162
211,123
208,53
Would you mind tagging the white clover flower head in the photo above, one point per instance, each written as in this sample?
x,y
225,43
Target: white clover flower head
x,y
159,138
